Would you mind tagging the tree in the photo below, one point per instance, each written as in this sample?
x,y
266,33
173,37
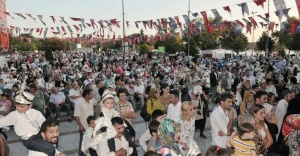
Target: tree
x,y
170,44
261,44
206,40
118,45
53,44
144,48
237,42
194,49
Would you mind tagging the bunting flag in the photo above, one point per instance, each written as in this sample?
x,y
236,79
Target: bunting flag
x,y
137,24
101,24
63,20
293,26
286,12
227,8
155,25
37,30
88,24
159,25
253,22
70,30
19,14
195,14
265,19
31,16
41,30
186,19
78,19
177,20
93,23
63,30
271,26
151,24
76,27
58,30
210,29
145,23
298,6
244,8
216,13
259,2
262,24
204,15
115,22
40,17
127,24
8,14
248,28
246,21
279,5
227,25
240,23
53,19
45,32
267,15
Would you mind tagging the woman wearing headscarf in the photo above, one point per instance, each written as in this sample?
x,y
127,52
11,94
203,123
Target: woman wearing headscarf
x,y
168,137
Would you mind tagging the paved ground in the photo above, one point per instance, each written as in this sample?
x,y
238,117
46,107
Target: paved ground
x,y
69,138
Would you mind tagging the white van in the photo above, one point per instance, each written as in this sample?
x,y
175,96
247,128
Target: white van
x,y
218,53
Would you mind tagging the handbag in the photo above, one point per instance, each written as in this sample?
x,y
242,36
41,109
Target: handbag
x,y
144,114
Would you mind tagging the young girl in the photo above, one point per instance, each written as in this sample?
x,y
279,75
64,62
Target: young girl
x,y
186,143
242,143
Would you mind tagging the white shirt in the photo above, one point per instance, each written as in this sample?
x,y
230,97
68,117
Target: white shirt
x,y
144,138
25,124
83,110
280,112
139,89
103,149
73,92
218,122
174,112
54,98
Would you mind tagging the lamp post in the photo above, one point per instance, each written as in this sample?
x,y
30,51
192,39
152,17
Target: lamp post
x,y
267,42
188,42
123,30
253,34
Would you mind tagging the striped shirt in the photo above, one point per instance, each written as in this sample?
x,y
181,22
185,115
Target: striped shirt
x,y
242,147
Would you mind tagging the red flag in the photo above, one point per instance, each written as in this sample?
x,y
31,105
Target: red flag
x,y
8,14
93,23
248,28
298,6
210,29
177,20
145,24
240,23
114,22
293,26
31,16
155,25
63,29
259,2
253,22
78,35
53,19
88,24
37,29
76,27
41,31
227,25
271,26
75,19
204,15
226,8
267,15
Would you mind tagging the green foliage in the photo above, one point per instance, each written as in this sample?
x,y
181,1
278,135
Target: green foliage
x,y
194,50
229,39
207,40
170,44
293,43
144,48
118,45
261,44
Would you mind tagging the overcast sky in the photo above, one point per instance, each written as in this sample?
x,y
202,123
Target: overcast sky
x,y
135,10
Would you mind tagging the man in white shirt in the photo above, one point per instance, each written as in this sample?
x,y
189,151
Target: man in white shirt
x,y
174,109
58,99
83,109
282,108
139,91
49,132
117,146
75,93
221,121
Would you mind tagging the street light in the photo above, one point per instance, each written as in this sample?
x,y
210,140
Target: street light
x,y
267,42
123,31
253,34
189,11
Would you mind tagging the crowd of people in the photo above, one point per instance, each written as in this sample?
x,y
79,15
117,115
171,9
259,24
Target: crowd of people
x,y
256,110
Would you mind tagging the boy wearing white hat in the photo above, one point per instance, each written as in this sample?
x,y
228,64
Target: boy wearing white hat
x,y
27,123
